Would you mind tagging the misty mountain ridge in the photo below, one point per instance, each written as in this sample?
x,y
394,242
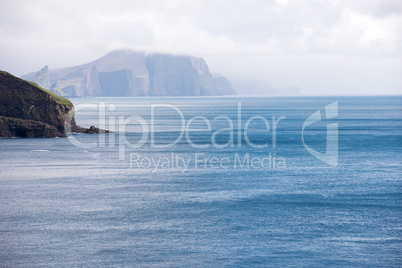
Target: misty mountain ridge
x,y
132,73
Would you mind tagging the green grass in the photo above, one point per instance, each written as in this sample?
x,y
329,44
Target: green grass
x,y
56,98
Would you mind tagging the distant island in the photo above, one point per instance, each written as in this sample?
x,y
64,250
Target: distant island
x,y
29,111
132,73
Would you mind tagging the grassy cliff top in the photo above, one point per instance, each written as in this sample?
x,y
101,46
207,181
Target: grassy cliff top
x,y
56,98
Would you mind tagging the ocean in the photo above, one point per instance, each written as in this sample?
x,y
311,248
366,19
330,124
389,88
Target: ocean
x,y
209,182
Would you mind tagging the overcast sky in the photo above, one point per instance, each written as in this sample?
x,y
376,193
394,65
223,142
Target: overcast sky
x,y
325,47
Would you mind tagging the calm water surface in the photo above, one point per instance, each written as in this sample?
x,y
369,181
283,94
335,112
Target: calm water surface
x,y
68,206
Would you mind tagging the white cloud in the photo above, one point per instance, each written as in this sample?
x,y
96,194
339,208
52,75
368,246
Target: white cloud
x,y
63,33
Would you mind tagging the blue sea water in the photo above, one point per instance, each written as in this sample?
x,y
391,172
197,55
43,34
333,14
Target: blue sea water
x,y
101,200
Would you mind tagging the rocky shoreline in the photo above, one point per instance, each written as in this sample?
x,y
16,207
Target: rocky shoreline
x,y
29,111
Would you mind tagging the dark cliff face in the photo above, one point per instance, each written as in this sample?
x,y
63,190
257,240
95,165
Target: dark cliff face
x,y
173,76
131,73
26,110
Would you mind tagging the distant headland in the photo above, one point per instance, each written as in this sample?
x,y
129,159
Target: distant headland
x,y
131,73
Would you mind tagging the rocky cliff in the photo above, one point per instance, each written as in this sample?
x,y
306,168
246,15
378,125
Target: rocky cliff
x,y
131,73
27,110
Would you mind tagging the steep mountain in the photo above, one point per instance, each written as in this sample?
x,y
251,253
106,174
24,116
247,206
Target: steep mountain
x,y
27,110
42,77
223,85
132,73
